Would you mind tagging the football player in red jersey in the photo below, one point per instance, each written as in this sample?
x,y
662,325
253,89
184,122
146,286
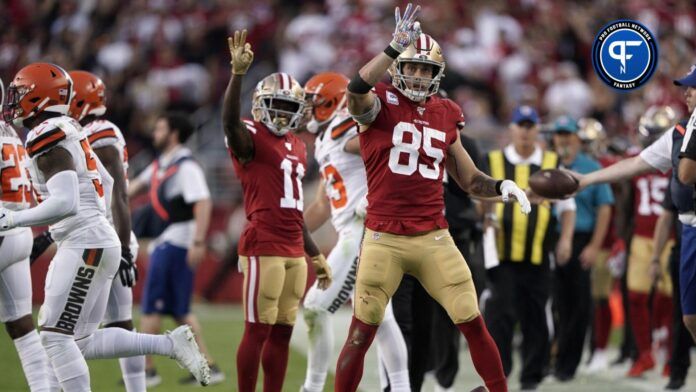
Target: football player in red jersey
x,y
408,136
270,162
648,192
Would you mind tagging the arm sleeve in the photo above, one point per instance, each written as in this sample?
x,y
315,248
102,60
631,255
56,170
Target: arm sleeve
x,y
195,187
63,201
659,154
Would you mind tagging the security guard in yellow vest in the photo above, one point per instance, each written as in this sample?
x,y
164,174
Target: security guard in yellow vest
x,y
520,283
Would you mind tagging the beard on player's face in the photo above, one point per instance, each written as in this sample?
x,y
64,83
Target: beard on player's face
x,y
690,97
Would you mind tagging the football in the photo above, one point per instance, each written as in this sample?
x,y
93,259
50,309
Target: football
x,y
553,184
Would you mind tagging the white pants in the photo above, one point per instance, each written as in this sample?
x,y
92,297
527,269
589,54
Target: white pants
x,y
119,307
77,288
343,260
15,279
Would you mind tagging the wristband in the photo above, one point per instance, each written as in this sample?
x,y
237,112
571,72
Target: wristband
x,y
359,86
497,187
391,52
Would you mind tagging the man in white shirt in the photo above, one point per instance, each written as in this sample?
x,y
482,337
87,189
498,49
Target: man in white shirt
x,y
180,200
664,154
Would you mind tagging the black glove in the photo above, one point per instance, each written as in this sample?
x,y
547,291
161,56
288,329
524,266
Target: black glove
x,y
41,243
127,270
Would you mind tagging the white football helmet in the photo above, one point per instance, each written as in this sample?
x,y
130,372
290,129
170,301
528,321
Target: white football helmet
x,y
424,50
278,103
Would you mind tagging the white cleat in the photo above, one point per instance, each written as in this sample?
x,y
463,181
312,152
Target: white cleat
x,y
599,362
187,354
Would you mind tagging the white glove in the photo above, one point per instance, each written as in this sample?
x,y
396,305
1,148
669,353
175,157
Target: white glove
x,y
509,188
6,219
361,208
407,29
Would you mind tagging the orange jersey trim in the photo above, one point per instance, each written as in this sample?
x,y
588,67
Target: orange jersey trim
x,y
340,129
680,129
101,135
45,141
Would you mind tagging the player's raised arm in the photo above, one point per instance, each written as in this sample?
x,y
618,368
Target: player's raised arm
x,y
238,138
362,104
474,181
57,167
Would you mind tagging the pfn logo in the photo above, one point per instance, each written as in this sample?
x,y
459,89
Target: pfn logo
x,y
621,55
624,54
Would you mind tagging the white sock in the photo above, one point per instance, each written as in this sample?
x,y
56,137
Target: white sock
x,y
133,371
119,343
320,347
34,360
392,351
68,363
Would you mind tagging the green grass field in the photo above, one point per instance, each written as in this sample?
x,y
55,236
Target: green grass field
x,y
222,328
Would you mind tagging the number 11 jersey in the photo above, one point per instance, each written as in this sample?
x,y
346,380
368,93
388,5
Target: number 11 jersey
x,y
272,185
405,151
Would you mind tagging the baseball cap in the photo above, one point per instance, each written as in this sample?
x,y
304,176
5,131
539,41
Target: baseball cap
x,y
689,80
525,113
565,124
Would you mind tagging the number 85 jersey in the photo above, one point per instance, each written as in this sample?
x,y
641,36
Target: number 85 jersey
x,y
89,227
272,185
405,151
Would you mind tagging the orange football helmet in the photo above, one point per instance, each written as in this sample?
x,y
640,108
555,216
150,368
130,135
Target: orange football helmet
x,y
89,95
326,93
37,88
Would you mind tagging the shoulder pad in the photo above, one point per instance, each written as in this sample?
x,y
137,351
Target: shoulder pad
x,y
342,127
47,139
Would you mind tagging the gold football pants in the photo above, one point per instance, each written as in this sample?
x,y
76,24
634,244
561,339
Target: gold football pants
x,y
639,278
273,287
432,258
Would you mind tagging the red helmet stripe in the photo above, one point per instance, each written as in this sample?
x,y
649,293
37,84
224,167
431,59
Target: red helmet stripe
x,y
427,42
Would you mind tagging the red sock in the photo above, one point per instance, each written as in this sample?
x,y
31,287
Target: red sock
x,y
602,324
349,368
249,355
640,320
274,357
662,310
484,354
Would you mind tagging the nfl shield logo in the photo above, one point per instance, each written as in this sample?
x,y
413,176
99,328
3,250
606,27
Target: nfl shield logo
x,y
421,110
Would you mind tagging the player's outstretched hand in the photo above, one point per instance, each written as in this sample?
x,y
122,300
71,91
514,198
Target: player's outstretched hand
x,y
6,219
407,29
582,180
509,189
240,52
323,271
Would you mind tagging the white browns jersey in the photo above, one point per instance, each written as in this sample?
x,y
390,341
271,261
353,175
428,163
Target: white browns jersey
x,y
15,187
89,227
343,173
102,133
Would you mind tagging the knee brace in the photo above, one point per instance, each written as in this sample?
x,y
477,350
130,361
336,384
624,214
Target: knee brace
x,y
463,307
